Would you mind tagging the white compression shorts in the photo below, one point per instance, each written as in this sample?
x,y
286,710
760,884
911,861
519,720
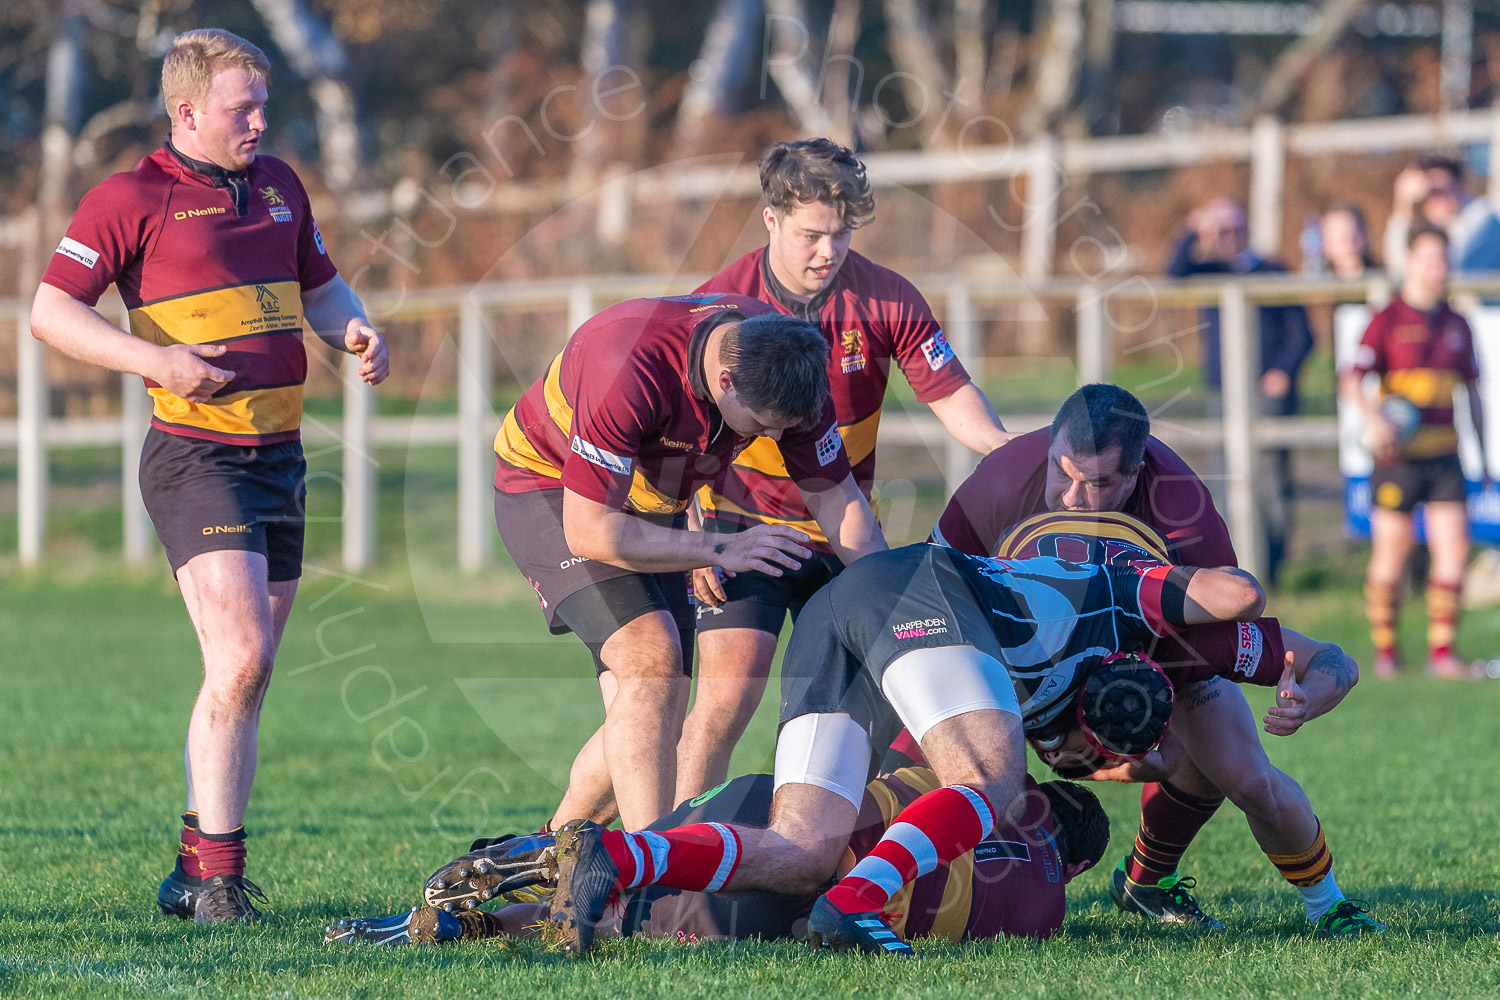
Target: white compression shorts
x,y
830,750
927,686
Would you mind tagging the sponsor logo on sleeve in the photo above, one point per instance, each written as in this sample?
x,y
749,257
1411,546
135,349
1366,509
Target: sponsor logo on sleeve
x,y
828,445
318,239
936,350
1251,644
72,249
604,459
920,627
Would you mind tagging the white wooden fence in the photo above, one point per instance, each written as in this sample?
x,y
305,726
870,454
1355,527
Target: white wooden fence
x,y
1046,164
1239,436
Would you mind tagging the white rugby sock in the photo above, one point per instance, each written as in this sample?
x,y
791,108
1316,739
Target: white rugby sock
x,y
1319,897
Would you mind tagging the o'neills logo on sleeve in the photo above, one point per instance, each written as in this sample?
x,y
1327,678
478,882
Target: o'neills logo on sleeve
x,y
73,250
920,627
604,459
1247,656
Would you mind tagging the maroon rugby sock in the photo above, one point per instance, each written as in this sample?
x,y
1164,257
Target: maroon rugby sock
x,y
700,857
188,868
222,853
1170,819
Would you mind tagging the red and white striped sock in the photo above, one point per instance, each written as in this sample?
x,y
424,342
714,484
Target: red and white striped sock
x,y
701,857
938,827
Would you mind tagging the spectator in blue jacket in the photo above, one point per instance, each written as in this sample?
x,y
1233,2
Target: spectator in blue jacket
x,y
1217,242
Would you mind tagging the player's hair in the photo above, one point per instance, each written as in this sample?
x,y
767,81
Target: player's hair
x,y
1436,161
1421,229
810,170
1099,416
197,55
1082,824
779,365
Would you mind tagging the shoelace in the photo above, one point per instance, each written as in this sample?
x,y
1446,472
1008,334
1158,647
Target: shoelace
x,y
236,892
1179,892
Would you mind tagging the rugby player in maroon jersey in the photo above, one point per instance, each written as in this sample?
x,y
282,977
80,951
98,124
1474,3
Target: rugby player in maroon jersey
x,y
963,651
1010,885
215,253
649,401
816,195
1098,456
1422,350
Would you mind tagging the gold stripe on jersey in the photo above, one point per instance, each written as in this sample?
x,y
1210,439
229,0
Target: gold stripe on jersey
x,y
558,407
952,918
256,411
512,445
728,507
763,456
649,500
220,314
511,442
1428,388
1101,524
1430,441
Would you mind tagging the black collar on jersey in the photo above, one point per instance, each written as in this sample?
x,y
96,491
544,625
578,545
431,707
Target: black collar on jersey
x,y
802,310
697,378
236,182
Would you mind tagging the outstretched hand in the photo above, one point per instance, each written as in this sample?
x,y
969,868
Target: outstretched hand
x,y
1290,711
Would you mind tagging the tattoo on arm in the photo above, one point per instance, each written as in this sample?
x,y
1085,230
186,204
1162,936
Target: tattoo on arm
x,y
1202,693
1331,660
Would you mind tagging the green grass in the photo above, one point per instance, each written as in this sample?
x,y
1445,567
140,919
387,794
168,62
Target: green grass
x,y
358,800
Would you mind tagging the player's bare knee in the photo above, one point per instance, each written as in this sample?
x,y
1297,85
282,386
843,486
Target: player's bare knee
x,y
238,686
1255,793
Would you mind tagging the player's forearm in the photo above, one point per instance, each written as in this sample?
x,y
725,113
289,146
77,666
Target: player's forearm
x,y
619,539
79,331
967,415
1476,415
329,308
1326,677
847,520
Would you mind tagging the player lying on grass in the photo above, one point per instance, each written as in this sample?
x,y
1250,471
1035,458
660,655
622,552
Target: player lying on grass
x,y
958,649
1098,456
1011,884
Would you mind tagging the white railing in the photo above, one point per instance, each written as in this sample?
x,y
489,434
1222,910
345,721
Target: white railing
x,y
1239,436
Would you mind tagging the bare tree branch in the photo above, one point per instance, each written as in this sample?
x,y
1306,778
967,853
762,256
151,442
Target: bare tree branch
x,y
1057,68
786,63
1292,65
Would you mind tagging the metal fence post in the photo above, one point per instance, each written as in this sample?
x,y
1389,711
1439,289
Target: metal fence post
x,y
31,415
1095,345
359,470
1267,178
580,305
963,336
135,418
1239,370
476,530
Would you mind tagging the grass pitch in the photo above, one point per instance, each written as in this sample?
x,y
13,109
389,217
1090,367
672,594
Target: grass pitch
x,y
383,751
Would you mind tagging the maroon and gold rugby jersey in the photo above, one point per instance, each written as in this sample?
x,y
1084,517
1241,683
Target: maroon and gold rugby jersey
x,y
204,257
1424,357
1171,503
1009,486
623,415
1011,884
870,315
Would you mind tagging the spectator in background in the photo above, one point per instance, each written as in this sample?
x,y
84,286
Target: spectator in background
x,y
1346,242
1218,242
1422,350
1432,190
